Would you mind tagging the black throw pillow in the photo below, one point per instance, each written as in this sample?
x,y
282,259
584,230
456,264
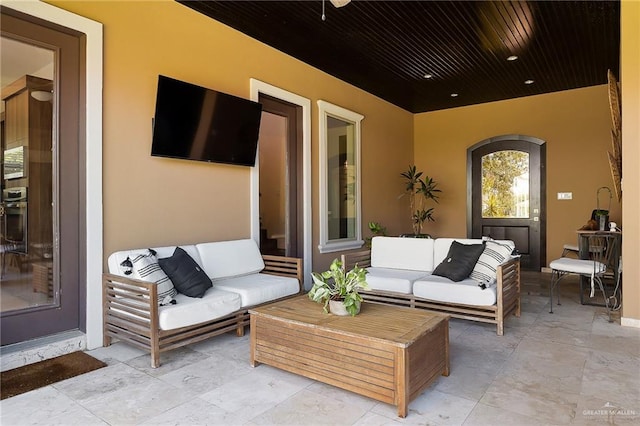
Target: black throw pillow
x,y
187,277
459,261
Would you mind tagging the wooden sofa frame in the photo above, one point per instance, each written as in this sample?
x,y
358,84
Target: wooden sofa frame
x,y
507,294
130,312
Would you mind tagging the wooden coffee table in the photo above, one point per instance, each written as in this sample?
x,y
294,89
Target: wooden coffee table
x,y
385,352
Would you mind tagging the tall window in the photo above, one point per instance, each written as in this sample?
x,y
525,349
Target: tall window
x,y
505,185
340,220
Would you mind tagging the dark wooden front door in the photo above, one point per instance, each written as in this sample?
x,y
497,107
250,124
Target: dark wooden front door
x,y
506,176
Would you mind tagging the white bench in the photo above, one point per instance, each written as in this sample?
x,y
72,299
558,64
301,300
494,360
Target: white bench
x,y
242,279
400,273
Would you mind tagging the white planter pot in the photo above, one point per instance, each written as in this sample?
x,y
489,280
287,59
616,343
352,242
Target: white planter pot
x,y
336,307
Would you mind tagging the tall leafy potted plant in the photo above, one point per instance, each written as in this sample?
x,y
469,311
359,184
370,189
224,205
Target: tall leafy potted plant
x,y
420,190
338,289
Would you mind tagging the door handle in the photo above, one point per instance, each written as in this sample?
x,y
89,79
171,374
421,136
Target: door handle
x,y
535,218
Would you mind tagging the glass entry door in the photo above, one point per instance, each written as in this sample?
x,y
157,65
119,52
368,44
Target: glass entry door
x,y
39,251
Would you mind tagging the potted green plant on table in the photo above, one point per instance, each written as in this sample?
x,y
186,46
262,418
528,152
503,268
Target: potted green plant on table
x,y
419,190
601,216
338,290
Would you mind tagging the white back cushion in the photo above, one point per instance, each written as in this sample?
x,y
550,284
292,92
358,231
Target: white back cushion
x,y
224,259
402,253
441,246
114,260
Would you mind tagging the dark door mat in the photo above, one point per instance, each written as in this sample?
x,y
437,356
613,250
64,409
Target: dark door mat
x,y
43,373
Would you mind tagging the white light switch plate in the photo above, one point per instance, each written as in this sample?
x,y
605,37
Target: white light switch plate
x,y
565,195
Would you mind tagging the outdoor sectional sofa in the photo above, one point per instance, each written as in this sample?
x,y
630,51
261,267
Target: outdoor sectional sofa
x,y
240,279
400,272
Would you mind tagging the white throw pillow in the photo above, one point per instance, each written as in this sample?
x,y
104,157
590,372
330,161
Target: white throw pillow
x,y
145,267
493,255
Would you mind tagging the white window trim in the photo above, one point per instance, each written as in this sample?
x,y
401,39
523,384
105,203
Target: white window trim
x,y
325,245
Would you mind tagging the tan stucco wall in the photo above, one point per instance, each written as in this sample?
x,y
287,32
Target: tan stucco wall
x,y
152,201
575,125
630,82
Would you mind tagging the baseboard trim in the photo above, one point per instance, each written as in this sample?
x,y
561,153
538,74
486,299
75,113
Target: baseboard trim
x,y
545,269
630,322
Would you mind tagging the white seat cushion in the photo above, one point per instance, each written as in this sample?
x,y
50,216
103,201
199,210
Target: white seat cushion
x,y
466,292
389,279
192,310
577,266
255,289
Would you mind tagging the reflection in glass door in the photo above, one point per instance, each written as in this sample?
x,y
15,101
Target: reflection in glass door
x,y
26,216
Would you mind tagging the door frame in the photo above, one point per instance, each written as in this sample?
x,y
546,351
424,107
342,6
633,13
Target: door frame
x,y
63,312
91,130
542,190
258,87
294,244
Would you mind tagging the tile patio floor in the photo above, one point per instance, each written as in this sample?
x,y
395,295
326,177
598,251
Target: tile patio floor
x,y
572,367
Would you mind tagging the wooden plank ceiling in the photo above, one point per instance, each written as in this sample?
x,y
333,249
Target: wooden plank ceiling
x,y
388,47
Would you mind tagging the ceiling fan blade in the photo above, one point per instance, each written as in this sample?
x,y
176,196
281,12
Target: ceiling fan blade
x,y
340,3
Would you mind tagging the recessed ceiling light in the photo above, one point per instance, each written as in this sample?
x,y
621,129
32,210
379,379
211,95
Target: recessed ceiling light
x,y
528,82
453,95
512,58
428,76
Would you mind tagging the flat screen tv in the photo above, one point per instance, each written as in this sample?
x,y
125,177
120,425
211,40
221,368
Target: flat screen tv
x,y
196,123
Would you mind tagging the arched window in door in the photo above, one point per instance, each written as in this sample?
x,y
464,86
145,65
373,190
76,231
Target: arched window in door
x,y
505,184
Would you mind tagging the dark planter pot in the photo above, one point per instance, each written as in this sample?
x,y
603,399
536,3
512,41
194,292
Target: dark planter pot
x,y
415,235
603,222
